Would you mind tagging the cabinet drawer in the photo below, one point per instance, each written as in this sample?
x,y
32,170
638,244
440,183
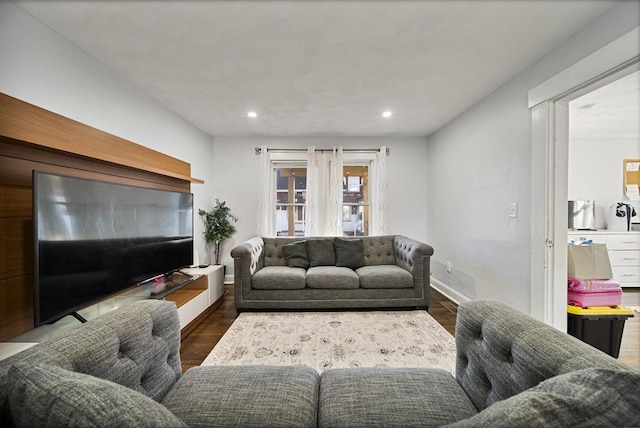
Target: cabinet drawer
x,y
623,241
625,258
624,275
585,236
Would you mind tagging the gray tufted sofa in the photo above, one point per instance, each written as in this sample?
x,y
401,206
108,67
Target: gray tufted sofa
x,y
123,369
389,271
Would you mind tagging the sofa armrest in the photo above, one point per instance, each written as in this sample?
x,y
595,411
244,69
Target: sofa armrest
x,y
248,258
501,352
137,346
415,257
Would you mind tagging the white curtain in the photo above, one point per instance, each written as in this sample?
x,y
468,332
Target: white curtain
x,y
334,202
380,195
313,212
266,204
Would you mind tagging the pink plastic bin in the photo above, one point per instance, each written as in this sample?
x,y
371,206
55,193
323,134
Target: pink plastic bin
x,y
596,292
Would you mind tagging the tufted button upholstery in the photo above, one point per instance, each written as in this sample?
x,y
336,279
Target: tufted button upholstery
x,y
501,352
137,346
273,250
379,251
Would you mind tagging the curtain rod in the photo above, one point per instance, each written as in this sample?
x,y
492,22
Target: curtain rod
x,y
259,150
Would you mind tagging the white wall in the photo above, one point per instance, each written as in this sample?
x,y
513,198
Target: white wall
x,y
40,67
235,168
595,171
481,162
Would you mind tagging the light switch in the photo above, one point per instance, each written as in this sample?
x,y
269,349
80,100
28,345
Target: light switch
x,y
513,209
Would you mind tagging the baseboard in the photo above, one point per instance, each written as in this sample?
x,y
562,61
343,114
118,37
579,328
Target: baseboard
x,y
449,292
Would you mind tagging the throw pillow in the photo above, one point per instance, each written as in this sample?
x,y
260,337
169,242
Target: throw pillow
x,y
296,254
591,397
46,395
349,253
321,252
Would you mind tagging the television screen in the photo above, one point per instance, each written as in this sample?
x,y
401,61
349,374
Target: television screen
x,y
94,239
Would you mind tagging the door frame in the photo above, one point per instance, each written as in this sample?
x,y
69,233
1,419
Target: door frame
x,y
548,104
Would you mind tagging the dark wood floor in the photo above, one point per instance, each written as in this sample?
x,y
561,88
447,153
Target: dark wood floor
x,y
197,345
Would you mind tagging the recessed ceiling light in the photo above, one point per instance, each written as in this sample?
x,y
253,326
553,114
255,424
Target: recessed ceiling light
x,y
252,114
386,113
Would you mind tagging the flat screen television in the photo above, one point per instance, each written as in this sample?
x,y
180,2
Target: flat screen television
x,y
94,239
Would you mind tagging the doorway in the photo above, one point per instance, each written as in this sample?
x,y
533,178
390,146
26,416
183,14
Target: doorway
x,y
604,130
549,105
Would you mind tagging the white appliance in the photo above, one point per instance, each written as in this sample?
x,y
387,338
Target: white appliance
x,y
620,216
582,215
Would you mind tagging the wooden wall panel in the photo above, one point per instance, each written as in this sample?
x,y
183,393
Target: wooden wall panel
x,y
17,161
16,251
15,201
31,124
16,306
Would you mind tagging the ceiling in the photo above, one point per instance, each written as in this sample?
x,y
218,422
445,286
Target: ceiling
x,y
317,68
612,111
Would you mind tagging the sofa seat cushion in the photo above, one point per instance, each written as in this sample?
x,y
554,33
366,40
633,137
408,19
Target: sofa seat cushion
x,y
590,397
391,397
46,395
332,277
278,278
246,396
384,276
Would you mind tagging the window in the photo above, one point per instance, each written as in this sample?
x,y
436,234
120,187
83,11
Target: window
x,y
355,200
322,192
291,197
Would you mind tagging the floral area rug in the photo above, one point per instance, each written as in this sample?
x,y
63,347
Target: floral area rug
x,y
326,340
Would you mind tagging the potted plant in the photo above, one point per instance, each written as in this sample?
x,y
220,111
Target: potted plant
x,y
218,226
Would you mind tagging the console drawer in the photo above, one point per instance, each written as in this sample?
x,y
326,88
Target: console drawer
x,y
623,241
625,258
626,275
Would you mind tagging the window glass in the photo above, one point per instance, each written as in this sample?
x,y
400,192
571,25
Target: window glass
x,y
355,200
291,196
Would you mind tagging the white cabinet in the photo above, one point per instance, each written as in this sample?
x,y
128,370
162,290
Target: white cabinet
x,y
215,281
192,308
624,253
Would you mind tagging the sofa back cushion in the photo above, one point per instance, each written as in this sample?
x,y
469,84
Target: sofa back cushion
x,y
379,250
349,252
500,352
46,395
272,250
321,252
295,254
